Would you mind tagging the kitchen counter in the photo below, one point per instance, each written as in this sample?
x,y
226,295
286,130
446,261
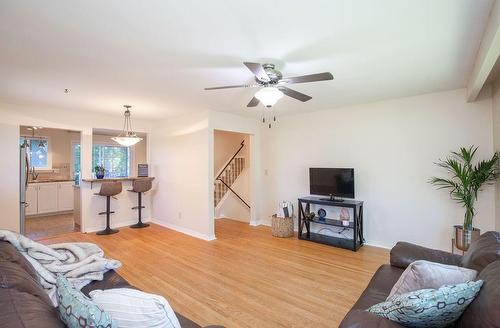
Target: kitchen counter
x,y
92,181
116,179
50,180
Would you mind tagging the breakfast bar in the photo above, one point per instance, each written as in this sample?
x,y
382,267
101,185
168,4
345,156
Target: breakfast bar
x,y
93,180
124,204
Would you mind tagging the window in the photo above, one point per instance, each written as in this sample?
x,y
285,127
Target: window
x,y
75,163
39,152
115,159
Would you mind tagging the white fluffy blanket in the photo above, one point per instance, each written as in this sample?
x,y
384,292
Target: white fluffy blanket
x,y
80,263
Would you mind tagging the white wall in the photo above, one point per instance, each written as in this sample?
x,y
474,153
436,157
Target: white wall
x,y
182,159
392,146
13,116
180,162
9,179
496,143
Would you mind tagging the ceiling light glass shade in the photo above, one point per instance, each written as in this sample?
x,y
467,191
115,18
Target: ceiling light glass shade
x,y
127,141
127,138
269,96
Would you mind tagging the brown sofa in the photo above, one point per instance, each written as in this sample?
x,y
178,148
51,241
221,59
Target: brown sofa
x,y
24,303
483,256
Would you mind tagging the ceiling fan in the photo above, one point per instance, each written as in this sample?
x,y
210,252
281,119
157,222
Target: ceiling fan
x,y
274,85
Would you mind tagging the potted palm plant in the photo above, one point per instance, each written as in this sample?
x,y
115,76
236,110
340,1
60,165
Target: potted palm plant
x,y
466,181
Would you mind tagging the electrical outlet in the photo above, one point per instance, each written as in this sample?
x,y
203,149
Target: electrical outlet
x,y
179,215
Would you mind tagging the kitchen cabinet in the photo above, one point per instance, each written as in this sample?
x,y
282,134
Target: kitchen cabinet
x,y
49,197
32,199
65,196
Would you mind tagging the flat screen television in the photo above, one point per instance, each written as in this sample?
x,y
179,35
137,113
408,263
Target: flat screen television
x,y
332,182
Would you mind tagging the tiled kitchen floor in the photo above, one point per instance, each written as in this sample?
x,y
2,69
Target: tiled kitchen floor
x,y
47,226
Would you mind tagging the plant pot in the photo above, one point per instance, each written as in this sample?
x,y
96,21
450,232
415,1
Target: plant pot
x,y
464,238
99,175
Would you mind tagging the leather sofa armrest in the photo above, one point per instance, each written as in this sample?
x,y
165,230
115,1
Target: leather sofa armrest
x,y
405,253
365,319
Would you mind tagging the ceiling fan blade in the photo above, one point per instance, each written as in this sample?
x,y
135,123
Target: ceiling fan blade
x,y
253,103
233,86
308,78
295,94
258,71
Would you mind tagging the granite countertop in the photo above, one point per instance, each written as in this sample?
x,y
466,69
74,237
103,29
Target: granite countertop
x,y
116,179
50,180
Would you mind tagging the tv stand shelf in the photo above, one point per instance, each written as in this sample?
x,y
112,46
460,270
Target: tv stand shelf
x,y
356,225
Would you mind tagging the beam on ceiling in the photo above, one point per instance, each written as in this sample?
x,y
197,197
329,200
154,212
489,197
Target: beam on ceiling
x,y
489,52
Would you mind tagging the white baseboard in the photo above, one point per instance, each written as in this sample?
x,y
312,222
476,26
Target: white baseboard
x,y
232,218
375,244
119,224
266,223
186,231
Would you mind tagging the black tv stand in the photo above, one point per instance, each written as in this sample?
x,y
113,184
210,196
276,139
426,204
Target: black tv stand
x,y
356,224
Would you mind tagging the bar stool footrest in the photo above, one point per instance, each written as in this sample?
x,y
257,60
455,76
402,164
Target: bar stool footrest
x,y
138,207
110,212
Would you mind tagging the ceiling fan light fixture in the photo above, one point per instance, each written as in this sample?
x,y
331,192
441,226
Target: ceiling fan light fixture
x,y
269,96
127,138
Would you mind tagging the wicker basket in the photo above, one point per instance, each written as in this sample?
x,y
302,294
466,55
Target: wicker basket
x,y
282,227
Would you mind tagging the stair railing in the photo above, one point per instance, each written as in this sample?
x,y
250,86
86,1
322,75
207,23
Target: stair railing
x,y
218,177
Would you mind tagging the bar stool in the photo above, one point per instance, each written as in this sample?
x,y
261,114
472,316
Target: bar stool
x,y
139,186
108,190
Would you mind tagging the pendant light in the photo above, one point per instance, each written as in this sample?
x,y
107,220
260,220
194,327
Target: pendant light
x,y
127,138
41,143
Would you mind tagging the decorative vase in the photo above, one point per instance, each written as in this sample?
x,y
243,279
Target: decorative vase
x,y
322,214
99,175
464,237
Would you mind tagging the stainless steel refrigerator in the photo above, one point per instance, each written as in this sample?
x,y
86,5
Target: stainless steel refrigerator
x,y
23,183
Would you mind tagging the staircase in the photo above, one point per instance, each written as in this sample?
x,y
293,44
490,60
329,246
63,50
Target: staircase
x,y
228,175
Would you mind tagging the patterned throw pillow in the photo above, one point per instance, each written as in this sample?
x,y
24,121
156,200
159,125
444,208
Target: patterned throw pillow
x,y
77,310
429,307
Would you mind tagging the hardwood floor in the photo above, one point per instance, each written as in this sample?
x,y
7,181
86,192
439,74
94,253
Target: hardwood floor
x,y
245,278
40,227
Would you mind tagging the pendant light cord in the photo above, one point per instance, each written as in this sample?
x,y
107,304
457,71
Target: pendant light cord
x,y
127,123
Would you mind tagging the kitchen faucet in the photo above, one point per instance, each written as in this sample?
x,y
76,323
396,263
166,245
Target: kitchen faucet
x,y
34,174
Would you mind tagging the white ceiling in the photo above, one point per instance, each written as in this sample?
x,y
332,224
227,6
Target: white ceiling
x,y
158,55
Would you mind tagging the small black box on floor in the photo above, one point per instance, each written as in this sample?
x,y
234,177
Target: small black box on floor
x,y
142,170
